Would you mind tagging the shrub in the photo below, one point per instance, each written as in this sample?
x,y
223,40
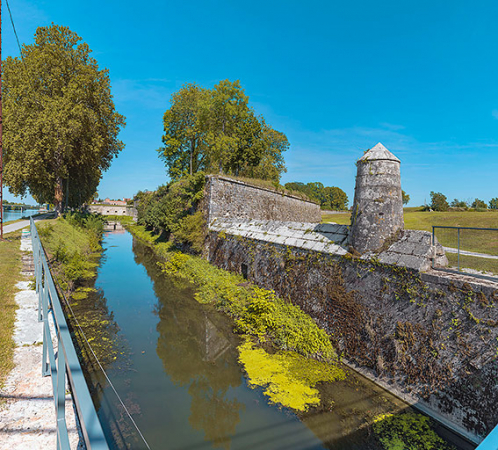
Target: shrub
x,y
479,204
439,202
172,210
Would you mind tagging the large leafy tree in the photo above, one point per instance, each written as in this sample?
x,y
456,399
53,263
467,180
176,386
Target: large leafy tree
x,y
439,202
215,130
184,138
60,123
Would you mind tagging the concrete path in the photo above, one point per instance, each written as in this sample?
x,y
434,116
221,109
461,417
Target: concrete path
x,y
27,418
9,228
466,253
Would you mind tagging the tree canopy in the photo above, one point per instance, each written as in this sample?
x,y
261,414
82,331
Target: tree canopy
x,y
439,202
328,197
405,197
216,131
60,123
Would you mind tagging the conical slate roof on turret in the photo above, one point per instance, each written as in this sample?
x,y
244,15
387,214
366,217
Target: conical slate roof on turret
x,y
379,152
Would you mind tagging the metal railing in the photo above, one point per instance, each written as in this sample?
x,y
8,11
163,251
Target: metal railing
x,y
64,361
470,250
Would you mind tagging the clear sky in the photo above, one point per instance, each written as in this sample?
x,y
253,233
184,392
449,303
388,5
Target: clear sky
x,y
335,76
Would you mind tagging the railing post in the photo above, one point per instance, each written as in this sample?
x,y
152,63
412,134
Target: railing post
x,y
46,331
433,244
458,249
60,397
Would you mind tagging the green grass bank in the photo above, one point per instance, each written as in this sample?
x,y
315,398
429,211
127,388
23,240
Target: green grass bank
x,y
10,268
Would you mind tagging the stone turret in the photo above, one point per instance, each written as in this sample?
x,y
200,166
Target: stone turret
x,y
378,205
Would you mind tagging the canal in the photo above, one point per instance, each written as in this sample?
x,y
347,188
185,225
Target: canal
x,y
9,215
174,363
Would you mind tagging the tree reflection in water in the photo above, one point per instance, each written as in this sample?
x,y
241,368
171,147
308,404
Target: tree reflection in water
x,y
198,351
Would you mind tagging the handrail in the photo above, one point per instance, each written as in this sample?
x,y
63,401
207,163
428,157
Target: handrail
x,y
65,361
460,252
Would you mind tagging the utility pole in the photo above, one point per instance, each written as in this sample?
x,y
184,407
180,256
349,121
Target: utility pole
x,y
1,131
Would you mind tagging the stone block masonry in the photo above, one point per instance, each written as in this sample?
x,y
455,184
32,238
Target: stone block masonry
x,y
229,198
431,338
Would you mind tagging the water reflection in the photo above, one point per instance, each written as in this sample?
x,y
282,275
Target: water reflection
x,y
183,384
197,354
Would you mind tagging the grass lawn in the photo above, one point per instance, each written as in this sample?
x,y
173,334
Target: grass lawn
x,y
424,220
10,268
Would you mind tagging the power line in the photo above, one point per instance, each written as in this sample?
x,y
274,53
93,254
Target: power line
x,y
13,26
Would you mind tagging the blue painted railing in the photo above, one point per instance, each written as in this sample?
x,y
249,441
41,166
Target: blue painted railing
x,y
490,442
65,360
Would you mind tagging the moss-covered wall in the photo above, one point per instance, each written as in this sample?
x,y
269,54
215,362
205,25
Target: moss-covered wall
x,y
425,335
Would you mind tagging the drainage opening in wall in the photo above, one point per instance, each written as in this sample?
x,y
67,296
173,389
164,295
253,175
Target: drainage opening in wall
x,y
243,269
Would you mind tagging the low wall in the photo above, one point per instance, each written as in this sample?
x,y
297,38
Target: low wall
x,y
430,337
113,210
228,198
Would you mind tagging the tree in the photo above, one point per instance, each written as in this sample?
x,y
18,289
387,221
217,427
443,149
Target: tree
x,y
328,197
477,203
493,203
185,151
215,130
335,199
60,123
405,197
458,204
439,202
272,164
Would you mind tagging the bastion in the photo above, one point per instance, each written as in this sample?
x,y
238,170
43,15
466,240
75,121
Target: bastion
x,y
425,335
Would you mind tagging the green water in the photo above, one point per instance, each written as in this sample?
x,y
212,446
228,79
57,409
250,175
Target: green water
x,y
178,375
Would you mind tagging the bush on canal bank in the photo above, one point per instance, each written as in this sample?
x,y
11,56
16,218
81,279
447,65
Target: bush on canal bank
x,y
171,211
73,245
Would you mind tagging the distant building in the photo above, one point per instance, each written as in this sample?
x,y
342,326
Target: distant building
x,y
108,201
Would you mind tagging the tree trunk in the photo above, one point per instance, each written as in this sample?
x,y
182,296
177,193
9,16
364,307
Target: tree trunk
x,y
58,196
192,143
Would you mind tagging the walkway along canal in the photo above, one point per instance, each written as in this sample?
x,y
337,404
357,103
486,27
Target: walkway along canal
x,y
174,362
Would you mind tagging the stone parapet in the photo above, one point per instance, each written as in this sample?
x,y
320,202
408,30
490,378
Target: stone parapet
x,y
227,198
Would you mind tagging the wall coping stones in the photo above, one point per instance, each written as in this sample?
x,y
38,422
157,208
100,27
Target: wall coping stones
x,y
413,250
327,238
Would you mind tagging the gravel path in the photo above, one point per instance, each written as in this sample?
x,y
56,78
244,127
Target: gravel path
x,y
27,416
466,253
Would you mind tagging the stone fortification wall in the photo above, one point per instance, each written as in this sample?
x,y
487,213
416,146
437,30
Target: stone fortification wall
x,y
228,198
429,337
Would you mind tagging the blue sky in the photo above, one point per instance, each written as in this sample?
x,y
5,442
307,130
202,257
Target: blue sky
x,y
336,77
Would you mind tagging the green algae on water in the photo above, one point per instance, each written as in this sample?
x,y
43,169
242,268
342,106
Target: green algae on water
x,y
288,377
408,431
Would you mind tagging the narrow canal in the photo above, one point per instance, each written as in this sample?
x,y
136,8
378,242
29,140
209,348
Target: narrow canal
x,y
174,362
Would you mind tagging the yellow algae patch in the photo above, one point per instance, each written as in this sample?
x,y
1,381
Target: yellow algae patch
x,y
289,378
82,293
